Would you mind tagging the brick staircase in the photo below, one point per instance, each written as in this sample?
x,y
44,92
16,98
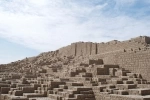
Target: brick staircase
x,y
97,81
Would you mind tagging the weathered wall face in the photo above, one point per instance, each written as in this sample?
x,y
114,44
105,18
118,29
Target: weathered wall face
x,y
78,49
138,62
89,48
141,39
131,55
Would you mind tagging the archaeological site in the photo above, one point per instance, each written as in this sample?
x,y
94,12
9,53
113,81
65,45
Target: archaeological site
x,y
115,70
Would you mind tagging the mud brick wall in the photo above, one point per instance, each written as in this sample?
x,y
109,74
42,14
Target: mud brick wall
x,y
130,54
141,39
111,46
89,48
137,62
115,97
77,49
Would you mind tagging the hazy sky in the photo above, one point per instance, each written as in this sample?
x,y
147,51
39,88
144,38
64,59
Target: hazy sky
x,y
28,27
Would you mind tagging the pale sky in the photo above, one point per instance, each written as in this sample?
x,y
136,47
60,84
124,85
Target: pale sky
x,y
29,27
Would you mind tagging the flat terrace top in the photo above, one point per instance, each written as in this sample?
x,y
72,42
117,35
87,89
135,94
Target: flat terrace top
x,y
42,98
132,96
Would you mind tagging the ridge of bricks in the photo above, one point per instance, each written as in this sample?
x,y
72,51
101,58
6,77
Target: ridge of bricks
x,y
81,71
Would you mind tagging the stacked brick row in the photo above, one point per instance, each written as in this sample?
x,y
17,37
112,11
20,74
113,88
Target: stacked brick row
x,y
89,48
95,81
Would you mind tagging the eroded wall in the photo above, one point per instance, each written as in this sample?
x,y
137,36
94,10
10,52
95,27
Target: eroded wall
x,y
89,48
131,55
137,62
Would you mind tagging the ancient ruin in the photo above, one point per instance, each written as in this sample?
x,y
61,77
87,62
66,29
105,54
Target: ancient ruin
x,y
116,70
